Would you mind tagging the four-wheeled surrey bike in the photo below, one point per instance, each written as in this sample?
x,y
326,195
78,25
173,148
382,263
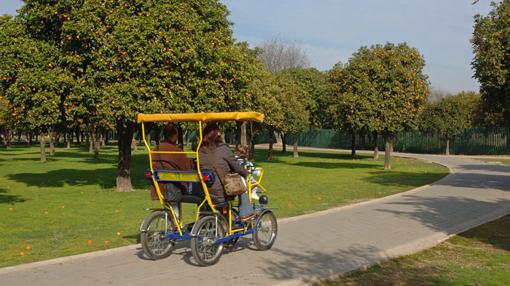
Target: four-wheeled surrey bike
x,y
216,224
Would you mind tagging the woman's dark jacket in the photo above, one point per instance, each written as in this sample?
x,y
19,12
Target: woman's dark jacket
x,y
225,161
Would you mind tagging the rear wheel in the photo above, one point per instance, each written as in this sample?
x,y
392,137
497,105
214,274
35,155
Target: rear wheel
x,y
265,229
203,247
153,231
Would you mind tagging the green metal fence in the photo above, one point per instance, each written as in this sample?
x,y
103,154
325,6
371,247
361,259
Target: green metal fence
x,y
470,142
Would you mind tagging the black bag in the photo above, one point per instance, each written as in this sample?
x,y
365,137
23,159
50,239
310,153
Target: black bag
x,y
172,193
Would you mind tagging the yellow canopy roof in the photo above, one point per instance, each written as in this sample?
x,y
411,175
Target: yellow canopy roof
x,y
216,116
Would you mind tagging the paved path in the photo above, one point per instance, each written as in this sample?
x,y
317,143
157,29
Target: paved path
x,y
308,247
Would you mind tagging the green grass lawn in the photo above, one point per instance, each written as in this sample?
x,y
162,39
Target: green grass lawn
x,y
480,256
58,206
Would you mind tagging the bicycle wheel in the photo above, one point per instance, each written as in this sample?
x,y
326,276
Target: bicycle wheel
x,y
203,247
154,228
265,229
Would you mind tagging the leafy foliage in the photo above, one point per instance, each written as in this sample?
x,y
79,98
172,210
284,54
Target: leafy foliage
x,y
382,89
317,99
29,78
491,42
451,115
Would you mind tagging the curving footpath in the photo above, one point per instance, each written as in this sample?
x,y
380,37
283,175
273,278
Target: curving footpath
x,y
309,247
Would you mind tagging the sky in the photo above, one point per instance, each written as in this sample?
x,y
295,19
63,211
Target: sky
x,y
329,31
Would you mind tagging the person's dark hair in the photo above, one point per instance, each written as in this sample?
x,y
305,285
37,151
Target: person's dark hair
x,y
170,131
211,135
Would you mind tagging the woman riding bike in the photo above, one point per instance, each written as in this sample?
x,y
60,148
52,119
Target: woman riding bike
x,y
214,155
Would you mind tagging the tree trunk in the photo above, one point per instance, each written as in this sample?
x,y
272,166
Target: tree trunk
x,y
90,141
134,144
243,140
270,151
295,153
8,139
376,147
353,144
388,147
106,134
362,143
68,140
19,137
271,142
42,144
284,145
125,131
56,137
30,137
95,144
51,136
447,147
251,154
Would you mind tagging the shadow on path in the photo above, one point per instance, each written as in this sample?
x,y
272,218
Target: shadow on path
x,y
443,213
305,264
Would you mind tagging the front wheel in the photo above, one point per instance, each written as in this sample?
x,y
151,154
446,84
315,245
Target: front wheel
x,y
204,247
153,231
265,229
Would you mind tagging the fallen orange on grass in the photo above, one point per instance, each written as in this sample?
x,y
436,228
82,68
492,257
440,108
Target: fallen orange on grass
x,y
28,247
11,209
106,243
89,242
22,253
118,233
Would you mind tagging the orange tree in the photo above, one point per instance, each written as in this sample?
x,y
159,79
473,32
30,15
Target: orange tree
x,y
30,80
140,56
382,89
450,116
491,44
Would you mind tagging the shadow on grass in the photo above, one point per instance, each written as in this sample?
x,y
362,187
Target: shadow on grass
x,y
6,198
135,237
333,165
105,177
261,155
496,233
86,156
402,179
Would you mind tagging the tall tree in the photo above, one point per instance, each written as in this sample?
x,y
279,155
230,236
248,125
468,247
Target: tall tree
x,y
450,116
318,99
382,89
143,56
31,81
278,56
491,45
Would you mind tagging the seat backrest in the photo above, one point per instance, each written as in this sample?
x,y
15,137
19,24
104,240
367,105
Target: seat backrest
x,y
191,176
